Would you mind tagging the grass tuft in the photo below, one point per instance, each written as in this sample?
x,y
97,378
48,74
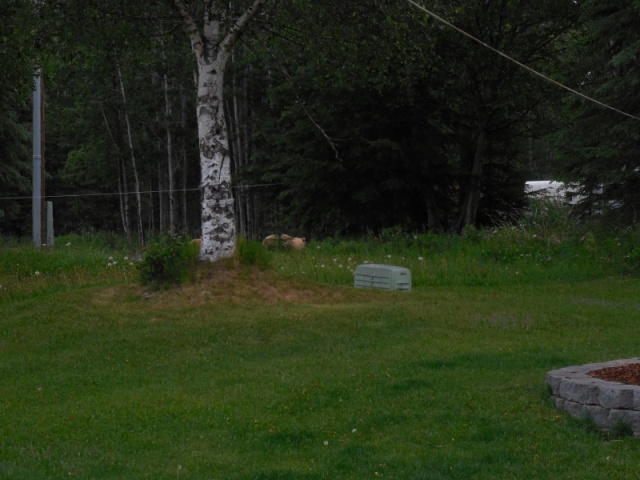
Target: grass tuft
x,y
252,253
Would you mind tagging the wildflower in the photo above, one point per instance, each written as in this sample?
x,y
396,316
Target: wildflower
x,y
126,258
326,442
420,259
110,258
68,244
355,430
109,264
37,273
388,256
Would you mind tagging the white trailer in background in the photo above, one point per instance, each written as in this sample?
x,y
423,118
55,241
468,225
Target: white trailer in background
x,y
553,190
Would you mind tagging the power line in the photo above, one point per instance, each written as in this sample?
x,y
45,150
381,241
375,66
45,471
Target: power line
x,y
98,194
522,65
113,194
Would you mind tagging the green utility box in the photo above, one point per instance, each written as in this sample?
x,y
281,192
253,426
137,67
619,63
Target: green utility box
x,y
386,277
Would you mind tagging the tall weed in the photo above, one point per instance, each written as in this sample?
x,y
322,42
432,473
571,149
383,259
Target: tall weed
x,y
252,253
548,244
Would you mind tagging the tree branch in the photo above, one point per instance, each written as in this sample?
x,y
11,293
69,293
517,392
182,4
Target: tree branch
x,y
307,113
194,33
235,31
302,105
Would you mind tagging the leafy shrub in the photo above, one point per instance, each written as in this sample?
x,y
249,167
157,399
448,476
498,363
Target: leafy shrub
x,y
168,261
252,253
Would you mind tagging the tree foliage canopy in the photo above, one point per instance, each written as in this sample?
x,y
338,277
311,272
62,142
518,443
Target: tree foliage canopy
x,y
601,145
343,117
18,60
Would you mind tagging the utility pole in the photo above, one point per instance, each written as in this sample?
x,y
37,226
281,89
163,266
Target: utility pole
x,y
36,200
39,219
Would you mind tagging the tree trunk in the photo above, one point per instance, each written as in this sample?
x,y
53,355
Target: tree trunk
x,y
218,219
470,195
235,120
234,132
183,156
124,198
212,48
162,216
123,194
434,222
170,167
151,222
246,154
133,157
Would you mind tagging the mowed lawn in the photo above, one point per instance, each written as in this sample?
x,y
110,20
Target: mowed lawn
x,y
250,375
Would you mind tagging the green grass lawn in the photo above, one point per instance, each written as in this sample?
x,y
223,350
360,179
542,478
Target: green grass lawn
x,y
249,374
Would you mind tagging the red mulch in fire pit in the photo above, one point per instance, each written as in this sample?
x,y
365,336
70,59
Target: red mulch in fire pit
x,y
627,374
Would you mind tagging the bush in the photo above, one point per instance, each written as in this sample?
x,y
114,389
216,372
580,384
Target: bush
x,y
170,260
252,253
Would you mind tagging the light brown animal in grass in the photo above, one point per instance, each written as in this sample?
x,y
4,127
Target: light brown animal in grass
x,y
271,241
296,243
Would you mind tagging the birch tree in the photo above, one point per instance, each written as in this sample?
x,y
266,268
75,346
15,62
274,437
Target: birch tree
x,y
134,165
212,39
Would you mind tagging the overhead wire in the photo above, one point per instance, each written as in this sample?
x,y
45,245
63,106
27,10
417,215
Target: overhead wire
x,y
520,64
113,194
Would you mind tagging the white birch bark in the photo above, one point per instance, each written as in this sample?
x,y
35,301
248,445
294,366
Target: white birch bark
x,y
170,167
183,156
123,194
212,46
124,199
133,157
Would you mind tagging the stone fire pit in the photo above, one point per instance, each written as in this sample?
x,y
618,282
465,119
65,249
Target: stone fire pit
x,y
608,403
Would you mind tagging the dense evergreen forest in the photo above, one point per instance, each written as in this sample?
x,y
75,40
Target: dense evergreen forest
x,y
341,117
